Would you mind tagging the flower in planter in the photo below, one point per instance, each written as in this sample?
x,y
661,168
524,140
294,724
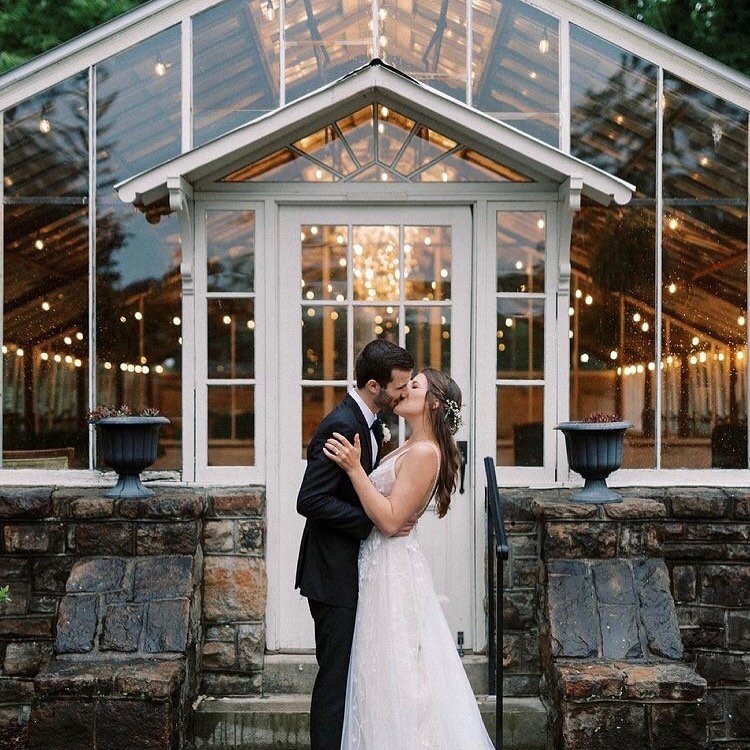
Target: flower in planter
x,y
105,412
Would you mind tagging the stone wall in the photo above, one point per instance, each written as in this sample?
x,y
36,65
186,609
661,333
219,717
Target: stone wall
x,y
234,602
705,539
44,531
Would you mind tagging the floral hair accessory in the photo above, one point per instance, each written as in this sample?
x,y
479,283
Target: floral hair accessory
x,y
452,415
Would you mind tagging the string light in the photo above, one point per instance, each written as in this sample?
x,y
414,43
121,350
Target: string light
x,y
544,43
176,320
45,306
39,243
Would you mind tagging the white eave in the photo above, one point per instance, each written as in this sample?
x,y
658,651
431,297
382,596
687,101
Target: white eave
x,y
376,82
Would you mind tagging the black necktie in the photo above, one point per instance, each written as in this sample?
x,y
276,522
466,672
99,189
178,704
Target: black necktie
x,y
377,430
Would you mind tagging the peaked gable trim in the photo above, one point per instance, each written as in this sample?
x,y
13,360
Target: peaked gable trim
x,y
381,83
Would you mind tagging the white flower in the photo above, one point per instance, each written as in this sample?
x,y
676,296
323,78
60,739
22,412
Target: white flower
x,y
386,433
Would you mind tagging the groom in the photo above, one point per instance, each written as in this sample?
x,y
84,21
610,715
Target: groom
x,y
327,571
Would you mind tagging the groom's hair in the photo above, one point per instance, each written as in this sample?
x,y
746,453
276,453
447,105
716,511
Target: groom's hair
x,y
378,360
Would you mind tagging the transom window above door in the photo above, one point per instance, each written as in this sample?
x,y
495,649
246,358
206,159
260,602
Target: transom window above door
x,y
375,144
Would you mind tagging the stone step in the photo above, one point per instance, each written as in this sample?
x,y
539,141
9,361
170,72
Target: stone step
x,y
282,722
285,674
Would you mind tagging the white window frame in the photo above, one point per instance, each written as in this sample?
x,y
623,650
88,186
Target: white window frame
x,y
486,353
195,346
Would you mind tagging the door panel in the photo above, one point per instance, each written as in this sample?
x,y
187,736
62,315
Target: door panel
x,y
347,276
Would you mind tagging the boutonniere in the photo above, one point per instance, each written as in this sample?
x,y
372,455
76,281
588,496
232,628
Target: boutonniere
x,y
386,433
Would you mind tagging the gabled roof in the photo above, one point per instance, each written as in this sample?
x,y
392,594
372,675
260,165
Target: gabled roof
x,y
67,59
377,82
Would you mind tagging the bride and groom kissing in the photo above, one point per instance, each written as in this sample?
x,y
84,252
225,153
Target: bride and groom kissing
x,y
390,677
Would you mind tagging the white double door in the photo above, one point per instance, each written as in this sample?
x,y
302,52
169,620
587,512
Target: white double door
x,y
346,276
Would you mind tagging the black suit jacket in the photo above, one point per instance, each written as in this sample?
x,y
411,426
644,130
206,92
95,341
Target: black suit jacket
x,y
327,568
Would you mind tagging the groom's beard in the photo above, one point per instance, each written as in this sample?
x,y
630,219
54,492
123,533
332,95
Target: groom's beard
x,y
384,402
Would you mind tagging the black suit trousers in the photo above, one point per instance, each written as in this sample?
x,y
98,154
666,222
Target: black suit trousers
x,y
334,632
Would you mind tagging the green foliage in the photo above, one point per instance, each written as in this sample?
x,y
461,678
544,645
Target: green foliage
x,y
4,594
30,27
718,28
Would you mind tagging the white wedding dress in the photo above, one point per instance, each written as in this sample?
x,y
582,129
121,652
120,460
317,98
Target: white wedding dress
x,y
407,688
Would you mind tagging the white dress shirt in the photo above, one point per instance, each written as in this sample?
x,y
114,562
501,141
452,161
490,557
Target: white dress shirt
x,y
370,417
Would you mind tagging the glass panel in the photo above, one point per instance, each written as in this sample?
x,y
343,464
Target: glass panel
x,y
375,173
359,131
425,146
138,108
375,262
428,334
231,338
323,342
516,76
705,144
235,66
469,166
324,264
45,347
427,41
316,403
704,419
427,263
520,338
138,309
230,239
282,166
393,130
46,142
327,146
374,323
323,42
612,326
520,425
613,110
521,250
231,425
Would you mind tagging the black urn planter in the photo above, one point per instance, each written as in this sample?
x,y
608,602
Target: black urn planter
x,y
128,445
594,451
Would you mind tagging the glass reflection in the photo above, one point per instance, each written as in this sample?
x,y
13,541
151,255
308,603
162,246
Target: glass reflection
x,y
324,262
425,146
316,403
231,338
520,250
422,40
613,110
323,42
520,425
428,336
329,147
374,323
46,142
45,345
324,338
235,66
516,76
704,413
705,144
427,263
612,323
230,238
231,425
520,338
138,309
375,261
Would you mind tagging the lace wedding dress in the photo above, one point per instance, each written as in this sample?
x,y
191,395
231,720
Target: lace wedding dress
x,y
407,689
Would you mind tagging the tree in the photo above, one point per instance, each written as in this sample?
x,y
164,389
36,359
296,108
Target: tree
x,y
30,27
718,28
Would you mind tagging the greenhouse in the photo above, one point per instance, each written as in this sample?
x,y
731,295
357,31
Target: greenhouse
x,y
209,206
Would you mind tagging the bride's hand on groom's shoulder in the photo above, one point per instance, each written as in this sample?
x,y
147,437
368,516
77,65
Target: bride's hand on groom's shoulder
x,y
342,452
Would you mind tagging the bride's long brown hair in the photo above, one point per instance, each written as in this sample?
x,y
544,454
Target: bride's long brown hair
x,y
443,418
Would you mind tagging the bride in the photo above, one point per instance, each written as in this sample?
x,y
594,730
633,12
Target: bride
x,y
406,687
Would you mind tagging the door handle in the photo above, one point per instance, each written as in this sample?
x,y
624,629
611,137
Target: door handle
x,y
463,449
